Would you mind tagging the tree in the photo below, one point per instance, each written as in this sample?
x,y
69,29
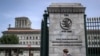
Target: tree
x,y
9,39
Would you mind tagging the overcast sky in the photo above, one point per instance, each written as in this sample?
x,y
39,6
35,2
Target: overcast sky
x,y
33,9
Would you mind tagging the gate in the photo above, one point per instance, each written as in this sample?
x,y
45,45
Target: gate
x,y
92,26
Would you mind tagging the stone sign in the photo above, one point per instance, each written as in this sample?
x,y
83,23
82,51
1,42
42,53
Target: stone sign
x,y
66,29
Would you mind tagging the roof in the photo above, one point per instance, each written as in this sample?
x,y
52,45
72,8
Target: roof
x,y
66,5
66,8
21,31
23,17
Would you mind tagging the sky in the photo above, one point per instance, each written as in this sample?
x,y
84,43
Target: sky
x,y
34,9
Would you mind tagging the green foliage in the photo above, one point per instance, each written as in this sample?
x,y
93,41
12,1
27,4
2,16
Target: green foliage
x,y
9,39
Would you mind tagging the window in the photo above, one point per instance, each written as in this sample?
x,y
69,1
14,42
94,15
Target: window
x,y
20,42
95,37
36,43
39,37
98,37
88,37
39,42
24,37
36,37
99,43
33,37
27,42
23,42
92,38
89,43
21,37
33,42
27,38
94,43
30,38
30,42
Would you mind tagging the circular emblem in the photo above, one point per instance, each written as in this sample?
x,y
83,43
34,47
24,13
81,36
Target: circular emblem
x,y
66,23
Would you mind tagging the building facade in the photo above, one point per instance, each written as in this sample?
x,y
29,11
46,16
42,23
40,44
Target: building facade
x,y
28,37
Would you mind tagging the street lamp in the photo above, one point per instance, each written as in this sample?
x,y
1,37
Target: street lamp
x,y
44,35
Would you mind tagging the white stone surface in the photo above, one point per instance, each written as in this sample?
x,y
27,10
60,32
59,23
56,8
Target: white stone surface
x,y
65,5
17,46
32,41
56,34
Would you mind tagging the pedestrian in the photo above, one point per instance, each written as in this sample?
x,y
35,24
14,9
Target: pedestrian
x,y
65,51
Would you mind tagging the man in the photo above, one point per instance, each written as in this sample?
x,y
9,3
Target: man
x,y
65,51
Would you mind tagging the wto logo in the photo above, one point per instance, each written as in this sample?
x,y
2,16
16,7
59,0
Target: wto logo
x,y
66,24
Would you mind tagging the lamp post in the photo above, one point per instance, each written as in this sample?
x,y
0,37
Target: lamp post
x,y
29,47
44,35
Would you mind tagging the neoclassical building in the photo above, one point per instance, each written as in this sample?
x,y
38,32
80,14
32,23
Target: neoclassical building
x,y
29,39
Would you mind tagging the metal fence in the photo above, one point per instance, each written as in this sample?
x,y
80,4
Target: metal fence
x,y
93,36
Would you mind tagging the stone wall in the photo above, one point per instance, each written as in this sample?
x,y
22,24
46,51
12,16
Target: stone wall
x,y
71,37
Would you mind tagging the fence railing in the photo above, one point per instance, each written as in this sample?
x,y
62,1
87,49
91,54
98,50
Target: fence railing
x,y
93,36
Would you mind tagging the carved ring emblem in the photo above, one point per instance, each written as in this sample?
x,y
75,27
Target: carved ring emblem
x,y
66,23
